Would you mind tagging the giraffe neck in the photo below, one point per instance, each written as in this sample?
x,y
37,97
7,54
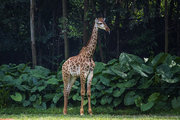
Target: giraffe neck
x,y
91,45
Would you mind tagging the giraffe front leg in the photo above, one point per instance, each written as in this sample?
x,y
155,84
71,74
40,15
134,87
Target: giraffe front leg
x,y
90,76
66,78
83,80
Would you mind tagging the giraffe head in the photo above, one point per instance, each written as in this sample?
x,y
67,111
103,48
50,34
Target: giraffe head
x,y
100,23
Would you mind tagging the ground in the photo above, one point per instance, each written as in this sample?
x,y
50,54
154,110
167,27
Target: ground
x,y
100,113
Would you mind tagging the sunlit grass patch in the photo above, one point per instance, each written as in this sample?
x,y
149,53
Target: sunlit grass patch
x,y
99,113
87,117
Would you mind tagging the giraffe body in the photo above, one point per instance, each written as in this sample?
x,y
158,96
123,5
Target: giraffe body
x,y
82,66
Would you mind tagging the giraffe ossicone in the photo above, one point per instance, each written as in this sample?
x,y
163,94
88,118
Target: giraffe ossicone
x,y
82,66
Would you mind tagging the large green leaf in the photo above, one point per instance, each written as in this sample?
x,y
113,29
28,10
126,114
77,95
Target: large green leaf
x,y
164,71
26,103
17,97
41,106
21,67
130,98
93,101
85,102
98,67
95,80
33,98
151,101
117,70
99,87
104,100
34,89
25,87
53,81
174,80
110,100
76,97
153,97
147,69
40,72
9,79
4,68
158,59
110,90
147,106
139,69
138,101
118,93
41,88
145,83
108,72
129,58
123,59
117,101
175,102
104,80
111,62
57,97
127,84
48,96
166,74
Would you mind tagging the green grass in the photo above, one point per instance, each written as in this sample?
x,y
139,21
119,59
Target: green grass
x,y
87,117
99,113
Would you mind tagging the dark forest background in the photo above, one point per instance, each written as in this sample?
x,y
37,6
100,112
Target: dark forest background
x,y
140,27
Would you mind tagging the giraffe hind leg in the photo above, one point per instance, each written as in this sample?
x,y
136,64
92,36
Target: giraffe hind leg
x,y
90,76
83,80
68,83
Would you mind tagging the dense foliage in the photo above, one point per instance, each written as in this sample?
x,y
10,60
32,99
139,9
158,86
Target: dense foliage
x,y
152,83
29,87
133,23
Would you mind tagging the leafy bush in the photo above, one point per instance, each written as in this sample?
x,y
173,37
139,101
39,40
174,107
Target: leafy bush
x,y
133,81
127,81
31,87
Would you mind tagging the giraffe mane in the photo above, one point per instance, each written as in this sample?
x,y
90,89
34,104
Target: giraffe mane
x,y
82,50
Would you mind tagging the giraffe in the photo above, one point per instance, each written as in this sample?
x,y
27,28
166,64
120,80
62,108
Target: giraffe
x,y
82,66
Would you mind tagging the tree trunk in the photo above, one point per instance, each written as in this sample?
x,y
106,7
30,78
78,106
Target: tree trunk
x,y
53,41
93,8
178,27
118,43
146,13
117,35
59,41
117,31
33,44
66,41
39,31
85,23
158,5
166,26
157,27
178,39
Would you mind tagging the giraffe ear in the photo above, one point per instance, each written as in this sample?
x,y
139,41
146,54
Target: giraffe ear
x,y
104,19
96,20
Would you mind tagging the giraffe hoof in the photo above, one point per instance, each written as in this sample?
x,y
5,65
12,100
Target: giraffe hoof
x,y
81,112
90,112
65,112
